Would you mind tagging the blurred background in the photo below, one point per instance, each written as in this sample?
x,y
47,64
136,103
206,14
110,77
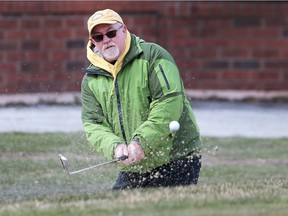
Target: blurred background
x,y
232,56
223,49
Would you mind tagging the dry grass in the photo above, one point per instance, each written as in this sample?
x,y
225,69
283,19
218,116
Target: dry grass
x,y
237,178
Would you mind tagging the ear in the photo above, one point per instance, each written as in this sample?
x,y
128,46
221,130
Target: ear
x,y
92,41
124,28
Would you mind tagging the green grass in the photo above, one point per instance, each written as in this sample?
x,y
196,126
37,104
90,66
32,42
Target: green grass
x,y
240,176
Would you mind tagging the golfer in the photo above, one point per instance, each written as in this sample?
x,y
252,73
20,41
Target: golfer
x,y
131,91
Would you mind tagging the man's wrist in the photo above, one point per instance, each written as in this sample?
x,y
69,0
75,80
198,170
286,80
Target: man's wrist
x,y
136,140
117,144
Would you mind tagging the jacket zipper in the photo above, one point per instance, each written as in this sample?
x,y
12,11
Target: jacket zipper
x,y
164,76
120,110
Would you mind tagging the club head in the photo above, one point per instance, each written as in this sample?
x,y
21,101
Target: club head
x,y
64,163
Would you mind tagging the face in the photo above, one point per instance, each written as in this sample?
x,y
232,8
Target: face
x,y
109,40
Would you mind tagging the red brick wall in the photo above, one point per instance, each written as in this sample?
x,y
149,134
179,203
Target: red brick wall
x,y
217,45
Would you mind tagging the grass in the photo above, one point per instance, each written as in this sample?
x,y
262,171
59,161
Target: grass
x,y
240,176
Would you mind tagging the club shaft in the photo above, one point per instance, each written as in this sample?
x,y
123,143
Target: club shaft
x,y
97,165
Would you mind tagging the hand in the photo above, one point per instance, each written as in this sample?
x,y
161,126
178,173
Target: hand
x,y
121,150
134,152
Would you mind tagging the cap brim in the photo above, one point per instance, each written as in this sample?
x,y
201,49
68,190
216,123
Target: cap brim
x,y
99,23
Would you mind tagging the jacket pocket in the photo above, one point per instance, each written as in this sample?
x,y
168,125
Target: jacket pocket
x,y
164,76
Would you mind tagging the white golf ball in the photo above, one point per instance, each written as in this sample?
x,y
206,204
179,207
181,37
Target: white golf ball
x,y
174,126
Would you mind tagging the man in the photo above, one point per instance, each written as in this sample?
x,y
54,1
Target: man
x,y
131,91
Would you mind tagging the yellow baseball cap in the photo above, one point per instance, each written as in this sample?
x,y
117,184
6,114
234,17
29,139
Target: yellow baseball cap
x,y
106,16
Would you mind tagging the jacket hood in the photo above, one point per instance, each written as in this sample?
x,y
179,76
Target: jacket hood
x,y
102,63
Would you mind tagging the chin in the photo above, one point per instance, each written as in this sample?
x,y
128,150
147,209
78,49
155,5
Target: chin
x,y
111,54
109,59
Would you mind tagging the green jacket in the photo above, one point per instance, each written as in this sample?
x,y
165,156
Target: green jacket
x,y
145,97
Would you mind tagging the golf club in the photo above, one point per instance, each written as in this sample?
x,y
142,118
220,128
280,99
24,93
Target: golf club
x,y
65,164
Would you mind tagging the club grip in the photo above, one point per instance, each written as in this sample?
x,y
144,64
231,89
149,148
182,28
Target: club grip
x,y
123,157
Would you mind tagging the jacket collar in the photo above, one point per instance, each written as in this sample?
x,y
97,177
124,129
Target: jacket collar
x,y
97,66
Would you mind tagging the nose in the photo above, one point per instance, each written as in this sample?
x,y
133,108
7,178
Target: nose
x,y
106,39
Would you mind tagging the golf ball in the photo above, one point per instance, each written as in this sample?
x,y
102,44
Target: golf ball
x,y
174,126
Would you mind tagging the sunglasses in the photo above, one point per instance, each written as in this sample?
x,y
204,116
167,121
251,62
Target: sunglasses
x,y
110,34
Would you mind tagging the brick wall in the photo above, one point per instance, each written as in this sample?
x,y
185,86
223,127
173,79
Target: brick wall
x,y
217,45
